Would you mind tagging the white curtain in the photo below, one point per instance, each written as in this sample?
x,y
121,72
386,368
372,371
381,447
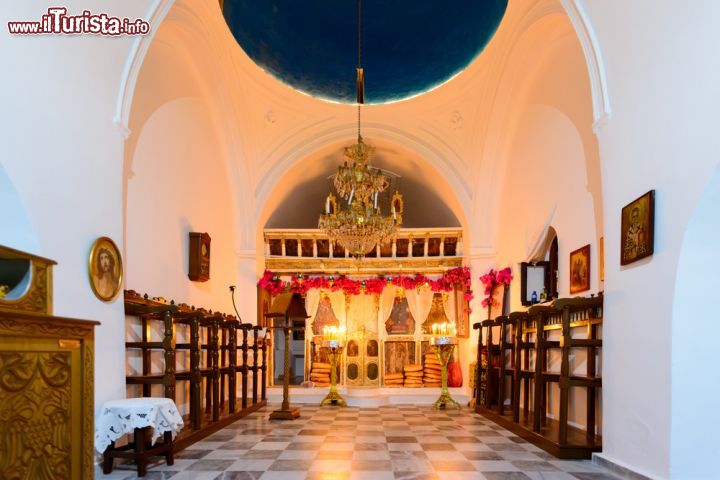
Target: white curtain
x,y
419,302
539,243
385,306
312,300
449,305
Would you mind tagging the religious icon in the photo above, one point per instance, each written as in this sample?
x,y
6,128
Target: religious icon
x,y
401,321
325,316
105,269
580,269
637,229
397,355
352,348
372,348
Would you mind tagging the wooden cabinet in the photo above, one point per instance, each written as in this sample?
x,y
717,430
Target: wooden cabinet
x,y
46,397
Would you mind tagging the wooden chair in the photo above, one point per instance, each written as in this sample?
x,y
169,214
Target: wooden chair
x,y
523,374
492,363
149,314
588,311
507,348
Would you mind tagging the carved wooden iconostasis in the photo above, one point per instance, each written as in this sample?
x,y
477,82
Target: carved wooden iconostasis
x,y
384,331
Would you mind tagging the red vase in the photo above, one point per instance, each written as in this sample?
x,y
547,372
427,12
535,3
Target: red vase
x,y
454,373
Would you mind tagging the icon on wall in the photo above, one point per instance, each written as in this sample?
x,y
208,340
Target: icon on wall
x,y
580,269
105,269
637,229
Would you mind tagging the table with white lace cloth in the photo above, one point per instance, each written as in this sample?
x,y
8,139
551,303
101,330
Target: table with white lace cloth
x,y
119,417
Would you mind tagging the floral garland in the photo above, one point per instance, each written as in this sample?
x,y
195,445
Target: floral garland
x,y
459,276
491,280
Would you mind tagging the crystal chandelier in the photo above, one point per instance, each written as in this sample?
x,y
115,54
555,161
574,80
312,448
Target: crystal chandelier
x,y
359,225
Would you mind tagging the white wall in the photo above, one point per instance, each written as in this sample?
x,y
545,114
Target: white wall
x,y
179,186
16,227
64,157
63,153
662,136
695,376
177,182
551,175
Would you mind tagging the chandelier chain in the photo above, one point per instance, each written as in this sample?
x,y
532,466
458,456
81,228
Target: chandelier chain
x,y
359,33
360,226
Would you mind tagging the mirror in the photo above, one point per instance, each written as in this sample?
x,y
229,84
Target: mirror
x,y
14,278
534,280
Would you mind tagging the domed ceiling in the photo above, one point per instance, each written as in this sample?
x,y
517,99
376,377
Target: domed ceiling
x,y
408,47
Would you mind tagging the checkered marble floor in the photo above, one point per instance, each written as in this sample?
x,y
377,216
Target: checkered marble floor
x,y
403,442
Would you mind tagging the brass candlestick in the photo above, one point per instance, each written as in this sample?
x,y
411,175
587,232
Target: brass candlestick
x,y
443,347
333,397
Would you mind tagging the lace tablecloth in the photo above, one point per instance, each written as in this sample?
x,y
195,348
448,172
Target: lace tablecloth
x,y
119,417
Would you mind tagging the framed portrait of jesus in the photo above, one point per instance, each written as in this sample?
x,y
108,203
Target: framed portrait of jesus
x,y
105,269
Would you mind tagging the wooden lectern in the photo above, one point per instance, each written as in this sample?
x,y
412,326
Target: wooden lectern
x,y
286,308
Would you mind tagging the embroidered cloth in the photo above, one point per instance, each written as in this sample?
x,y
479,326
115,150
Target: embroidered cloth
x,y
119,417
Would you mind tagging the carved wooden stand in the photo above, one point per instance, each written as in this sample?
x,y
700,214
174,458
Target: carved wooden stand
x,y
285,412
141,451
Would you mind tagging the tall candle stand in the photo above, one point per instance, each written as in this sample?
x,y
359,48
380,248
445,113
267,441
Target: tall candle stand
x,y
443,344
333,340
335,348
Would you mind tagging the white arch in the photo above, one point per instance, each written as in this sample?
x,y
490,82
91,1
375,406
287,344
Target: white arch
x,y
593,58
123,103
309,142
695,379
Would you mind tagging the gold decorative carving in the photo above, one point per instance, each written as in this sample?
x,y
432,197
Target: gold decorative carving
x,y
41,403
43,328
35,415
368,265
37,299
88,400
69,344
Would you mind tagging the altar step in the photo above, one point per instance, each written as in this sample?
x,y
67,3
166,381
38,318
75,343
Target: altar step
x,y
369,396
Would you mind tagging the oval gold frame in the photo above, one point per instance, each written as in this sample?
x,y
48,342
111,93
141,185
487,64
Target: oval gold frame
x,y
97,244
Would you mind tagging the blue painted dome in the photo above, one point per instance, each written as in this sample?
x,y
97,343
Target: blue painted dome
x,y
408,47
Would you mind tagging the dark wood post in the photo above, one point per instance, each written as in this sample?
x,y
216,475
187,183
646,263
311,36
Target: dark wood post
x,y
565,343
263,377
537,401
232,364
255,349
478,366
146,354
195,375
244,400
214,353
169,354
